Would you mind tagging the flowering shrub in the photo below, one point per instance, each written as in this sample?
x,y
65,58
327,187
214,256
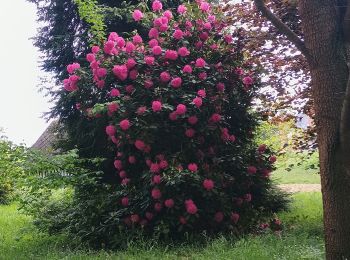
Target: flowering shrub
x,y
180,122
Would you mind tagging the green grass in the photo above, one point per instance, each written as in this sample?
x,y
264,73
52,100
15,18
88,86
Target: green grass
x,y
301,239
297,175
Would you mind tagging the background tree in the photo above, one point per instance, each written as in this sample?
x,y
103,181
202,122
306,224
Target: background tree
x,y
324,44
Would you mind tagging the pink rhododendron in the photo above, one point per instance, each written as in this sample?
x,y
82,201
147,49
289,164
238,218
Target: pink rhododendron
x,y
176,82
140,145
141,110
171,54
173,116
148,83
149,60
273,159
153,33
95,49
132,159
201,93
252,170
130,47
187,69
111,130
190,132
247,80
234,217
219,216
191,208
90,57
133,74
200,63
192,167
168,14
178,34
153,43
137,39
181,9
122,174
118,164
137,15
157,179
215,118
165,76
112,107
158,206
156,194
204,6
157,50
156,106
197,101
124,124
154,168
135,218
101,72
181,109
157,5
113,36
125,201
183,52
71,68
192,120
220,87
114,93
129,88
130,63
169,203
208,184
120,71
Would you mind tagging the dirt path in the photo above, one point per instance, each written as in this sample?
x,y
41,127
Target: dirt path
x,y
293,188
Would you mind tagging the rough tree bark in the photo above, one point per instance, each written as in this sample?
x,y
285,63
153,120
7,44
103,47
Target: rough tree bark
x,y
326,39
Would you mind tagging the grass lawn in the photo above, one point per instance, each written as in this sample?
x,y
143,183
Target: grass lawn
x,y
301,239
298,175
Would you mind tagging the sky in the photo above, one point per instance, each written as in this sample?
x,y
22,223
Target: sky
x,y
21,106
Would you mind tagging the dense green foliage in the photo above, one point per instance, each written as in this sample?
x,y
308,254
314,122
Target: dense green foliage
x,y
302,238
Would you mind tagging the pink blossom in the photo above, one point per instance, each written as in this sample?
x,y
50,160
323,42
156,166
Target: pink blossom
x,y
112,107
178,34
100,83
192,167
133,74
114,93
192,120
198,45
168,14
157,5
169,203
215,118
171,54
156,106
201,93
176,82
153,33
173,116
190,132
164,76
247,197
187,69
154,168
158,206
120,71
239,71
132,159
120,42
153,43
122,174
157,179
108,47
111,130
90,57
125,181
205,7
141,110
211,18
118,164
219,216
130,47
78,106
113,36
208,184
220,86
149,60
273,159
73,67
163,164
157,50
137,15
140,145
228,38
149,215
200,63
204,36
181,109
130,63
156,194
125,201
101,72
124,124
183,52
252,170
135,218
202,75
247,80
148,83
207,26
262,148
95,49
163,28
191,208
129,88
181,9
197,101
182,220
234,217
137,39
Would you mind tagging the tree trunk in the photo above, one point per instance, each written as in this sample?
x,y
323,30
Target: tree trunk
x,y
329,74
